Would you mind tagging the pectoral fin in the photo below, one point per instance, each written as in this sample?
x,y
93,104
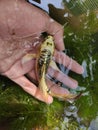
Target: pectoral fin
x,y
54,66
28,57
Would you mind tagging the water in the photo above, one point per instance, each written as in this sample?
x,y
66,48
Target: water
x,y
20,111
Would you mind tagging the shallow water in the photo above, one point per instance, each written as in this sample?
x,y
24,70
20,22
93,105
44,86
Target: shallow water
x,y
20,111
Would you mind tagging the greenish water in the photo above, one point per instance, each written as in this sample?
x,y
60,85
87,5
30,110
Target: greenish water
x,y
20,111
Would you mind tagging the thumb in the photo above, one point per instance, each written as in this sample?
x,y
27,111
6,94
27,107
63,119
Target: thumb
x,y
56,30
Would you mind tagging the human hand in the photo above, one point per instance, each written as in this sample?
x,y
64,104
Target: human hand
x,y
21,26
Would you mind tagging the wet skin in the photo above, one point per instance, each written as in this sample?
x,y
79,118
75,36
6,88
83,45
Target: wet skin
x,y
20,33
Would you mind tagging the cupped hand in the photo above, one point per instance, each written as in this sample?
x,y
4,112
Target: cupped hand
x,y
21,26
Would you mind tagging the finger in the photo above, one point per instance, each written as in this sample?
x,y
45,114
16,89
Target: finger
x,y
60,92
56,73
31,89
32,77
68,81
68,62
56,88
56,30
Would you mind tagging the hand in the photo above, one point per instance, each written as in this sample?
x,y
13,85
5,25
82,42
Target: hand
x,y
21,26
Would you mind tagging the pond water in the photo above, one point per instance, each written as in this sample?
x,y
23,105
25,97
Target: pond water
x,y
19,111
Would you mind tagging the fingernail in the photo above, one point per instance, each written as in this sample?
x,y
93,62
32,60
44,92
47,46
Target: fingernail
x,y
75,85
